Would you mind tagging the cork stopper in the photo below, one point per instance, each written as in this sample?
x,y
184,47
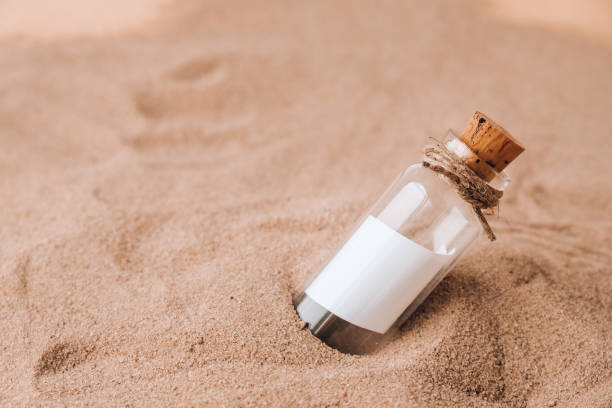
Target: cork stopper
x,y
493,146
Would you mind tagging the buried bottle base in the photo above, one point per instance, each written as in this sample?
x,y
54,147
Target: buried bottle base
x,y
335,331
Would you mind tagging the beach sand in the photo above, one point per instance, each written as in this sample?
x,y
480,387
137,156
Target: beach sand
x,y
168,181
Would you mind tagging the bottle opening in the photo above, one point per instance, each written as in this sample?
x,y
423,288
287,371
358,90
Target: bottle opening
x,y
496,179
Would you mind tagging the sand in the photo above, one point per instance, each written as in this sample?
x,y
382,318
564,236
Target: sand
x,y
169,180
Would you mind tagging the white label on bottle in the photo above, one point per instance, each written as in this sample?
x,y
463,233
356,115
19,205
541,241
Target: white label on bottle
x,y
375,276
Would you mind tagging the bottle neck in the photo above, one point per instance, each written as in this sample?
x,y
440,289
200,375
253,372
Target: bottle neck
x,y
497,180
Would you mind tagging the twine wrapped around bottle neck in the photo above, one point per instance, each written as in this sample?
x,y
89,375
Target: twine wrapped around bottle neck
x,y
473,189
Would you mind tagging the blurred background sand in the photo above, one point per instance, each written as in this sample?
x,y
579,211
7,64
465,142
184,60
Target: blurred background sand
x,y
172,171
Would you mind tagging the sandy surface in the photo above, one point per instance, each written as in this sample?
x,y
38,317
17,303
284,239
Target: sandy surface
x,y
168,180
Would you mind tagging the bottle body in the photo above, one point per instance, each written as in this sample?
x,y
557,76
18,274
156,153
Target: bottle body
x,y
401,249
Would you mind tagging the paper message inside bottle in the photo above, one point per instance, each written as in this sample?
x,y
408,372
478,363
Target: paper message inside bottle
x,y
375,276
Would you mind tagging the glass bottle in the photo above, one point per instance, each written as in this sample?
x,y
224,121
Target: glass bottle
x,y
403,246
